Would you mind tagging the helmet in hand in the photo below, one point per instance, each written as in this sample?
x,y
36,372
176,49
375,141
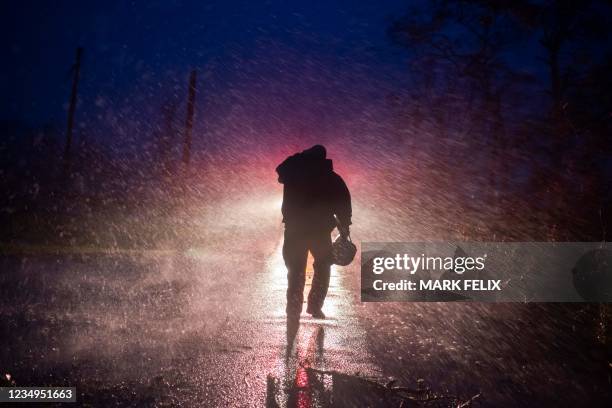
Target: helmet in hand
x,y
343,250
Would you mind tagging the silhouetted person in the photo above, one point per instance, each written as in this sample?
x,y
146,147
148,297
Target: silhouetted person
x,y
312,195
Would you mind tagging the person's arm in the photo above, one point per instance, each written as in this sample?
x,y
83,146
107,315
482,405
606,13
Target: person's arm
x,y
342,205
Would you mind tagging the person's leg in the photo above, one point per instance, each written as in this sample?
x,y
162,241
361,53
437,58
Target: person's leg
x,y
321,248
295,254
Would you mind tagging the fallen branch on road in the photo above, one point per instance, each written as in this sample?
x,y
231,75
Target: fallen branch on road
x,y
422,396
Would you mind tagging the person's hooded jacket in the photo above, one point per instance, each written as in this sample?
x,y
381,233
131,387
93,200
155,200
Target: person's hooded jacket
x,y
312,192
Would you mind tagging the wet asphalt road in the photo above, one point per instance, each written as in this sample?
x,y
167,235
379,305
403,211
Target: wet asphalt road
x,y
206,327
169,328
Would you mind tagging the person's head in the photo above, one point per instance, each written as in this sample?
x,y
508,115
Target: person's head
x,y
316,152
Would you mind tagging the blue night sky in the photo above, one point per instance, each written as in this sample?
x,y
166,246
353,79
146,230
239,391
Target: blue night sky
x,y
140,50
324,70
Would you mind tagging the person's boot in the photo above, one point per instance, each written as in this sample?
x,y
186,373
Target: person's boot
x,y
316,313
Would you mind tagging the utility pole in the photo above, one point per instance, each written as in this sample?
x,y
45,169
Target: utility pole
x,y
189,120
73,100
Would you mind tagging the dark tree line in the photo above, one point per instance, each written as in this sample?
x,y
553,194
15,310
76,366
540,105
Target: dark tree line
x,y
514,96
63,184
